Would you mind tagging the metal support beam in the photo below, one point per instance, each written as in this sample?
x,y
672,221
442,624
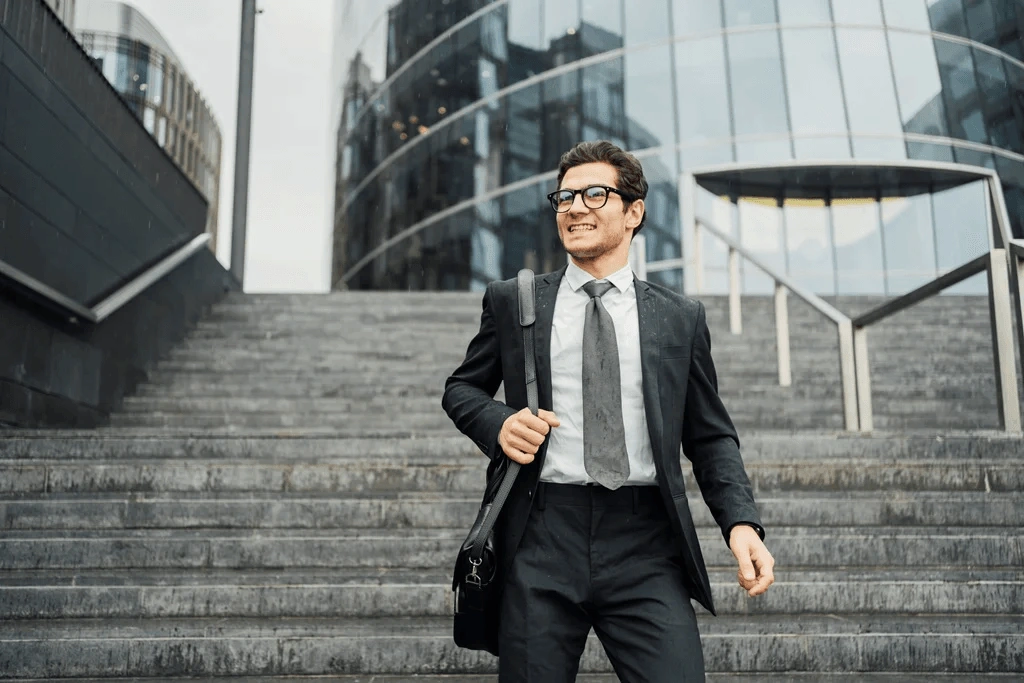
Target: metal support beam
x,y
865,412
848,375
782,335
1001,313
735,313
239,209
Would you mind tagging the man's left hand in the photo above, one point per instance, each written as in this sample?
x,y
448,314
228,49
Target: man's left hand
x,y
756,564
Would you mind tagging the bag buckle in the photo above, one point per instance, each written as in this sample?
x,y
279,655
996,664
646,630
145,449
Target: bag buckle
x,y
473,577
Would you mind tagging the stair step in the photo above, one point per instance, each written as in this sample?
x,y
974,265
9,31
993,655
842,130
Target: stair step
x,y
237,647
371,594
270,548
277,510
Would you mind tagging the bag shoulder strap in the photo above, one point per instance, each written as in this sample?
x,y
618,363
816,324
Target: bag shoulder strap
x,y
527,317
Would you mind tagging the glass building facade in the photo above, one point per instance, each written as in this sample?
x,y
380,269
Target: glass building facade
x,y
137,60
452,114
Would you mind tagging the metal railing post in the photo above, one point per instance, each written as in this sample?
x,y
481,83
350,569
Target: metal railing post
x,y
848,375
735,314
863,372
782,334
688,221
1002,340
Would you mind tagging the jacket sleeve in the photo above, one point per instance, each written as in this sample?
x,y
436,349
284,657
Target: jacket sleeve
x,y
469,392
711,443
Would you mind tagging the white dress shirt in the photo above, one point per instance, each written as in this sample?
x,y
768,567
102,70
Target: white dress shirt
x,y
563,463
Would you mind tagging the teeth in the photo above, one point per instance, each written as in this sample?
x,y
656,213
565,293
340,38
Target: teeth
x,y
574,228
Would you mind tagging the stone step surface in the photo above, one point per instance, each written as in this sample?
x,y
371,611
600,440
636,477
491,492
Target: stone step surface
x,y
306,646
283,498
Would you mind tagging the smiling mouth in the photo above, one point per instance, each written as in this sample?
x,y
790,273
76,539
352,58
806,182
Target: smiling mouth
x,y
581,228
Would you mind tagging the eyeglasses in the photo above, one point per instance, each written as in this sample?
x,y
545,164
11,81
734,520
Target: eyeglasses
x,y
594,197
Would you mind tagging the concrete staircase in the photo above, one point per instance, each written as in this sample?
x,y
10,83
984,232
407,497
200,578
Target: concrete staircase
x,y
284,499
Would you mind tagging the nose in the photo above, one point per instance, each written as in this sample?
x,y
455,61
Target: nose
x,y
581,207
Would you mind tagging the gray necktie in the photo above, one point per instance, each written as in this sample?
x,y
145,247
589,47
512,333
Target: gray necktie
x,y
604,438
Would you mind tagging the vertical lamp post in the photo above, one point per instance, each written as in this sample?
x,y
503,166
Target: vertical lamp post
x,y
246,58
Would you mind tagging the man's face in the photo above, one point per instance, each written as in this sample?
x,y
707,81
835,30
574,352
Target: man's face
x,y
588,233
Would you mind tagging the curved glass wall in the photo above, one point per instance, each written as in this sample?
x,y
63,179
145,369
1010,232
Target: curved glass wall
x,y
159,91
453,113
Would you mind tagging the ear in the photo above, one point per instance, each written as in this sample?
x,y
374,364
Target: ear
x,y
635,213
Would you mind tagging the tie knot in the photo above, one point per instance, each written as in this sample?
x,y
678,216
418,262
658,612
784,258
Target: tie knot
x,y
597,288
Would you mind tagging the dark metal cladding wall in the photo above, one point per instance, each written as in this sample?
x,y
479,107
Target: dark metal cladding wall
x,y
87,197
87,200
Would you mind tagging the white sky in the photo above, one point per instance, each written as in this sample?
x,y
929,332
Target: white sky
x,y
291,177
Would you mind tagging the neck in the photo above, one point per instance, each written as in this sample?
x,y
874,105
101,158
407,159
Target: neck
x,y
602,266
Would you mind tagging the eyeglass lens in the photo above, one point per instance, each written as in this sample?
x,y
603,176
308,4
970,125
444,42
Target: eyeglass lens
x,y
594,197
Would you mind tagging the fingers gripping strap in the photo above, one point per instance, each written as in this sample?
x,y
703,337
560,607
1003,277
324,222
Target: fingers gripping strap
x,y
527,316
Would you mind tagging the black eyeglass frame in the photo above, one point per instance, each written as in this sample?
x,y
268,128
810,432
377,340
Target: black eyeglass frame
x,y
625,197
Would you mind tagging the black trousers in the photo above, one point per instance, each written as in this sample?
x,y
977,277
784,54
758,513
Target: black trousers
x,y
591,557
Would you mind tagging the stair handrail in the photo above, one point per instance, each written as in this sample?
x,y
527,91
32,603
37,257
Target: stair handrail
x,y
104,309
853,344
784,285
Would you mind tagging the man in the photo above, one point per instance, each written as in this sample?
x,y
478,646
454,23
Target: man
x,y
596,531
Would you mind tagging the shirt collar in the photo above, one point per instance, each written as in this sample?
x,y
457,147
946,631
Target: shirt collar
x,y
622,279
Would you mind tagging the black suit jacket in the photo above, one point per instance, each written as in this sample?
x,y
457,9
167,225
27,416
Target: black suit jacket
x,y
681,400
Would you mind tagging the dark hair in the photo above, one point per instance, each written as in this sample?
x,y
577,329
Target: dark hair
x,y
630,173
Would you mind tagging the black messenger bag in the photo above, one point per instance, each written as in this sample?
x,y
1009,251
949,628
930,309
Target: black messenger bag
x,y
477,593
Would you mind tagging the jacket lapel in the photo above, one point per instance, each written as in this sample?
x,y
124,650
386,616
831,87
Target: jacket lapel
x,y
547,291
650,353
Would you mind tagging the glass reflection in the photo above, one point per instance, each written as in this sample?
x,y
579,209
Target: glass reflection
x,y
650,109
947,16
703,100
857,12
858,245
804,11
747,13
560,19
812,79
960,91
524,22
997,101
606,15
909,242
689,18
869,92
760,223
918,85
758,100
981,21
961,232
911,14
647,21
809,245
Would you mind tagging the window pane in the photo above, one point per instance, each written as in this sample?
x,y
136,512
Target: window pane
x,y
929,151
604,104
1003,127
809,245
812,77
758,99
661,228
646,21
906,14
747,13
857,12
804,11
1015,82
961,232
909,242
703,100
870,94
981,21
761,233
947,16
917,83
650,111
858,243
604,14
524,21
559,19
960,90
696,17
828,147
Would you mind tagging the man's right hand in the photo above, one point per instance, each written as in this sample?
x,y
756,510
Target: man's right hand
x,y
523,433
